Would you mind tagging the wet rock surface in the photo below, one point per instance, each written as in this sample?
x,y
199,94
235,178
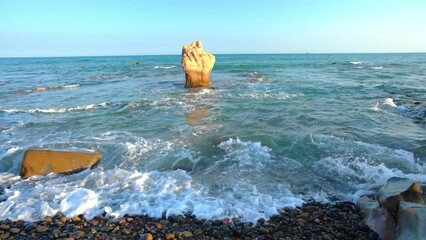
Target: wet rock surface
x,y
311,221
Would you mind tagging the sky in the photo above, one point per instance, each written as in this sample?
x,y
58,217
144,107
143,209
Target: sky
x,y
30,28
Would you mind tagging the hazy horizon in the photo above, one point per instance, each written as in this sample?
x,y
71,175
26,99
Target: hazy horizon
x,y
132,28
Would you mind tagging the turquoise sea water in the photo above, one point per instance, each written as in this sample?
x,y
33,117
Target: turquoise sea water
x,y
273,131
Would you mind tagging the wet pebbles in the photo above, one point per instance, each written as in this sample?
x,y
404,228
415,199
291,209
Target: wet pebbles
x,y
312,221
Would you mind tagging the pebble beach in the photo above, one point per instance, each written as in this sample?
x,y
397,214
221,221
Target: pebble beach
x,y
342,220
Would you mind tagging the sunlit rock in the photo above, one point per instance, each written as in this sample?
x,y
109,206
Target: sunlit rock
x,y
197,65
42,162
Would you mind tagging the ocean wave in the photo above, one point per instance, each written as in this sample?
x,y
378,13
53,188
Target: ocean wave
x,y
118,193
56,110
164,67
356,63
377,67
268,95
365,165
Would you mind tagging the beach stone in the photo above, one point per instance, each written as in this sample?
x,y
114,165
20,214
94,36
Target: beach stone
x,y
187,234
4,236
5,227
170,236
399,189
15,230
411,221
76,219
126,231
42,162
41,229
77,234
197,65
56,233
147,236
377,218
198,232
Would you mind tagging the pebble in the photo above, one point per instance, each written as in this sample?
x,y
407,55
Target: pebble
x,y
76,219
77,234
15,230
5,227
56,233
48,219
263,230
63,220
4,236
41,229
198,232
170,236
147,236
126,231
187,234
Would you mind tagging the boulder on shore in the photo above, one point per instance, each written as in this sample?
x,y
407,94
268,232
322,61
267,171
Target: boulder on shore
x,y
411,221
43,162
197,65
399,189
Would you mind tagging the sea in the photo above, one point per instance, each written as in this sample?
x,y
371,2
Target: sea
x,y
273,131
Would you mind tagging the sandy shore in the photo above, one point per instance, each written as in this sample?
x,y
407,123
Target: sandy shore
x,y
311,221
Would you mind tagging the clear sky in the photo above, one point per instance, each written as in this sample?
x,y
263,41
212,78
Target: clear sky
x,y
136,27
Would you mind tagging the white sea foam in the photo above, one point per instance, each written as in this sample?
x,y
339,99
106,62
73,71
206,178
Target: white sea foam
x,y
10,151
164,67
119,192
269,95
71,86
56,110
389,102
364,165
356,63
246,153
377,68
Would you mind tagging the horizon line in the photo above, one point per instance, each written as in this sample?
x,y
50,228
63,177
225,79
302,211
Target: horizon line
x,y
141,55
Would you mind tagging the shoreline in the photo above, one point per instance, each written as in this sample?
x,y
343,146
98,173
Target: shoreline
x,y
340,220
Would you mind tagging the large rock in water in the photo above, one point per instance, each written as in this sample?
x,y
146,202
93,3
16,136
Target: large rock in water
x,y
397,190
197,65
42,162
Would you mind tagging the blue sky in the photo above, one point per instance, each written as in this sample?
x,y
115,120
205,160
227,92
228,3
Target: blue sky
x,y
129,27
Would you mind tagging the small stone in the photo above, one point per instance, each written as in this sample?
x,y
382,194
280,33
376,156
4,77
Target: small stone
x,y
187,234
147,236
116,229
56,233
198,232
263,230
48,219
126,231
216,234
77,234
158,226
326,237
4,236
15,230
170,236
95,222
122,221
129,219
41,229
304,215
5,227
317,220
30,227
76,219
63,219
301,222
224,228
